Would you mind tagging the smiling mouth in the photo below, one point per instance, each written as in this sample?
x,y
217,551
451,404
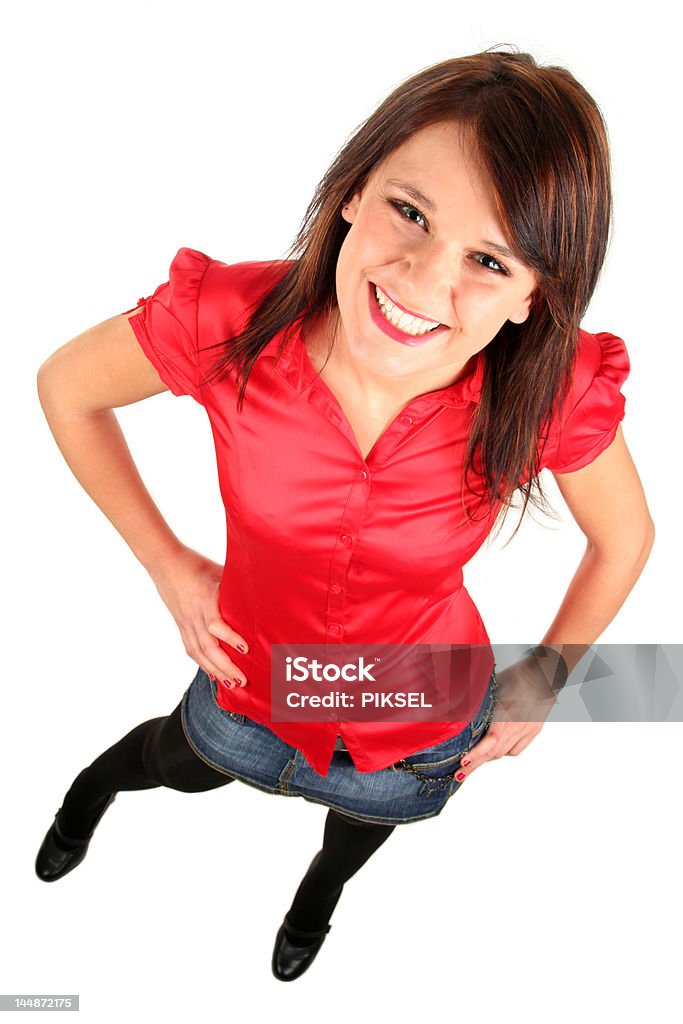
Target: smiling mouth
x,y
409,323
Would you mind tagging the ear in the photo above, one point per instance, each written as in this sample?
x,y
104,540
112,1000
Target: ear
x,y
350,208
524,309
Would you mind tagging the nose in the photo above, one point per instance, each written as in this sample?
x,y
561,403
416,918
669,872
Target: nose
x,y
434,276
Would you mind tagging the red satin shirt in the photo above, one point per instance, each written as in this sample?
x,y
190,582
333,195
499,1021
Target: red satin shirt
x,y
324,546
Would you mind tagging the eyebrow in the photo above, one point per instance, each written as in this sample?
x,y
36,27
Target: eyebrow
x,y
502,249
414,193
425,201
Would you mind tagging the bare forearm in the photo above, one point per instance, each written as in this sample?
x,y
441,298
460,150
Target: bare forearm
x,y
598,590
96,451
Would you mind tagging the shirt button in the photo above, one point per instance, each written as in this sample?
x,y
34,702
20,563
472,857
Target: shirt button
x,y
364,474
335,588
335,627
345,539
407,420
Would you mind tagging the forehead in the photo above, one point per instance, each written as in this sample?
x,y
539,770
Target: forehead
x,y
443,163
441,160
447,144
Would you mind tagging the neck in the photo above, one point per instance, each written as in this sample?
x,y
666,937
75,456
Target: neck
x,y
330,356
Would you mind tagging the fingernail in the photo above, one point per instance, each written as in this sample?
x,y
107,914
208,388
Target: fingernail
x,y
238,682
460,776
466,762
241,647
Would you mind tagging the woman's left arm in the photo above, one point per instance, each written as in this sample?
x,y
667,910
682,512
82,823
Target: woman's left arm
x,y
607,501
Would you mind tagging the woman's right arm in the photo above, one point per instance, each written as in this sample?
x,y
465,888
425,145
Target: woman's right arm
x,y
79,386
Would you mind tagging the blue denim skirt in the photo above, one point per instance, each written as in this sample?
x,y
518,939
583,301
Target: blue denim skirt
x,y
416,787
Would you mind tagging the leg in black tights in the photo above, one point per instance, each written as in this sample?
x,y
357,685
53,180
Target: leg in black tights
x,y
154,753
347,844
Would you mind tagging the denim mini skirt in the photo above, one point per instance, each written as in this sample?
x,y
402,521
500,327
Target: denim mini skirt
x,y
416,787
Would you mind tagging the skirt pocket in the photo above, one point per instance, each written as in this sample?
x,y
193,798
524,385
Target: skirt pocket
x,y
436,767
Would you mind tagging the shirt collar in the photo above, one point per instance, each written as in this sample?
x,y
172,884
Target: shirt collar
x,y
296,368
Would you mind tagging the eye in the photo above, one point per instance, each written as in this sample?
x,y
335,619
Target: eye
x,y
406,209
402,207
499,267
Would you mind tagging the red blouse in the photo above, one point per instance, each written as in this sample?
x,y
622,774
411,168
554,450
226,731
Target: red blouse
x,y
324,546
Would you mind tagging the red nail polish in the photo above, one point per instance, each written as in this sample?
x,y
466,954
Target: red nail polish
x,y
237,682
241,647
460,776
465,763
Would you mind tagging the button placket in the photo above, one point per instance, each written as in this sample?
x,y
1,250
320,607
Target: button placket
x,y
342,555
341,561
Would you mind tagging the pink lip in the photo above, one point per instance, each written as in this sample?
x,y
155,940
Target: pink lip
x,y
395,332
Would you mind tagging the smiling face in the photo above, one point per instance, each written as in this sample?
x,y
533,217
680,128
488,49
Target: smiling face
x,y
431,256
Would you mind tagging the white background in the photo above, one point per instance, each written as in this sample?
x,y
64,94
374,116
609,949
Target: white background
x,y
549,889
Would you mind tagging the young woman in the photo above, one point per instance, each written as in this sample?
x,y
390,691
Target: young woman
x,y
376,400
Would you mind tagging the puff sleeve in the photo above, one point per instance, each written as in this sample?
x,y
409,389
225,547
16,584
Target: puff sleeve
x,y
589,422
167,326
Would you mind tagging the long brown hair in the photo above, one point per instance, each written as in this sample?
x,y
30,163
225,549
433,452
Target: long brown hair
x,y
542,140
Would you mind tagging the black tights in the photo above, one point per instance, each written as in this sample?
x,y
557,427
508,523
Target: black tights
x,y
156,753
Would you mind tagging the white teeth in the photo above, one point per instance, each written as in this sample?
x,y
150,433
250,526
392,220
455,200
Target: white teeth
x,y
404,321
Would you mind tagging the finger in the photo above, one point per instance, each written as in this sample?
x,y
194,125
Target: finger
x,y
230,683
521,745
229,677
223,631
477,755
226,669
216,663
224,665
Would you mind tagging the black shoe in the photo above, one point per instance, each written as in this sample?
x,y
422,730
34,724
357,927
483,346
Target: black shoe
x,y
290,961
59,854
